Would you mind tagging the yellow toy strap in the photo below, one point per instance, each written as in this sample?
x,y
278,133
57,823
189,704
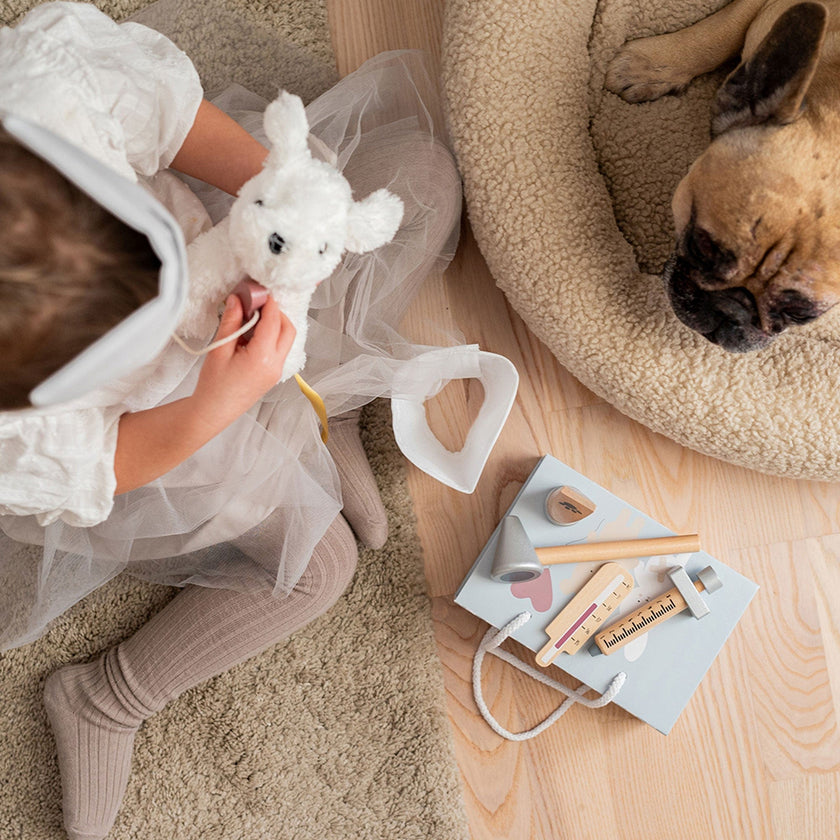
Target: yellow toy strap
x,y
317,403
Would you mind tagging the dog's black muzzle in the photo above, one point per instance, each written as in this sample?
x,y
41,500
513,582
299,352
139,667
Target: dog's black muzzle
x,y
726,317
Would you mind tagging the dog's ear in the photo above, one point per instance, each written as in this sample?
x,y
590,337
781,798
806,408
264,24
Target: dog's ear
x,y
769,87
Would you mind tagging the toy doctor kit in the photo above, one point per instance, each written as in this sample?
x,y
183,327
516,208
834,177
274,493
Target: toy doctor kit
x,y
559,611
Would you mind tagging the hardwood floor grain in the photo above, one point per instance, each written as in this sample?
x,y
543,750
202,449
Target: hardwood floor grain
x,y
756,754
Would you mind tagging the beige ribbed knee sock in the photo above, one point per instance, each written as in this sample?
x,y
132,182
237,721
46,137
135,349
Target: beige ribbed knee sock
x,y
363,507
96,708
94,733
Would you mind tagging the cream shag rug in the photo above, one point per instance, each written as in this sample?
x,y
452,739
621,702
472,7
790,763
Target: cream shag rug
x,y
340,732
568,191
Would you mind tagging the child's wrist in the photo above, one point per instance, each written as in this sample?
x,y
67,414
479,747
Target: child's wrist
x,y
208,414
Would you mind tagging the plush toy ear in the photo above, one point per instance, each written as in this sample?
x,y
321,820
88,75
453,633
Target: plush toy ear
x,y
373,221
286,127
769,87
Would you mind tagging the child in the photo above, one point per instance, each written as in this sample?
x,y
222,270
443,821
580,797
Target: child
x,y
193,473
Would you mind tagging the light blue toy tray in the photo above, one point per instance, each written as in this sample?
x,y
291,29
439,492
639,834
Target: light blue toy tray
x,y
663,666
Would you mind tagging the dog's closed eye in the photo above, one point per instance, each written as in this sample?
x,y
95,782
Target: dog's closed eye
x,y
792,307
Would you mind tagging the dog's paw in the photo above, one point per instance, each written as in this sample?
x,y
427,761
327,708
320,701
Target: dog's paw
x,y
637,74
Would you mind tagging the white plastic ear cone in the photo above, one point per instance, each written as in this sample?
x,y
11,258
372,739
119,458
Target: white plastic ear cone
x,y
500,380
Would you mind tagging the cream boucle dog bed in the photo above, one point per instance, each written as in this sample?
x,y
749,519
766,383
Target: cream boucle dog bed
x,y
568,190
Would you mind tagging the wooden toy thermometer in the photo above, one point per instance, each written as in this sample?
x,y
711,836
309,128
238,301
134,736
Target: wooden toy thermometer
x,y
584,614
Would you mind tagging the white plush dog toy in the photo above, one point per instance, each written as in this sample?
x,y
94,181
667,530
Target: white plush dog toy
x,y
287,230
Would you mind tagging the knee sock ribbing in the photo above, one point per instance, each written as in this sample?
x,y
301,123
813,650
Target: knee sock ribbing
x,y
96,708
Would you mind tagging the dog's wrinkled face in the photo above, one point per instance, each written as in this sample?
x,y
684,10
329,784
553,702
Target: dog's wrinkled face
x,y
757,218
757,247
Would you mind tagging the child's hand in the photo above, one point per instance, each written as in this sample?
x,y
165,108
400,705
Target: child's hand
x,y
234,376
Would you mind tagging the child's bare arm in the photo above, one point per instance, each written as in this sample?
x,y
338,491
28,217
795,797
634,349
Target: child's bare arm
x,y
219,151
232,379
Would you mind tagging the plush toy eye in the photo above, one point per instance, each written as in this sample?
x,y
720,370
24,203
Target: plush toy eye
x,y
276,243
259,202
323,249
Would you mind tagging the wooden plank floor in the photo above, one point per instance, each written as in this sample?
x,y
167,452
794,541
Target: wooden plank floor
x,y
757,752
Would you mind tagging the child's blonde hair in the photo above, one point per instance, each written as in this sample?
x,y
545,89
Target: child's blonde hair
x,y
69,271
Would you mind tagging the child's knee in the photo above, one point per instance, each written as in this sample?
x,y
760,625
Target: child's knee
x,y
428,182
418,168
332,566
435,182
438,197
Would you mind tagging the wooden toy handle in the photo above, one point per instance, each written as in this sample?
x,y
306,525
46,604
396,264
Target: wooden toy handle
x,y
618,549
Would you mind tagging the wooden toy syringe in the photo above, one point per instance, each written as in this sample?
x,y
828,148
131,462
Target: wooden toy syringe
x,y
684,596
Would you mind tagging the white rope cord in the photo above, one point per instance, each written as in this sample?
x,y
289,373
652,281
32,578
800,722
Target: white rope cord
x,y
490,644
213,345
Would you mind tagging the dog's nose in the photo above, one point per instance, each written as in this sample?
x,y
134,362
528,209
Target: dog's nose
x,y
276,243
737,304
727,317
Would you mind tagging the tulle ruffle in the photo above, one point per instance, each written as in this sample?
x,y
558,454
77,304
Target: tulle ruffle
x,y
247,510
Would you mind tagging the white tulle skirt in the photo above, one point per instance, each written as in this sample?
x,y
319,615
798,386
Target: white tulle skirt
x,y
246,511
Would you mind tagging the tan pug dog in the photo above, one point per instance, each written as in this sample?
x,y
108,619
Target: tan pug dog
x,y
757,217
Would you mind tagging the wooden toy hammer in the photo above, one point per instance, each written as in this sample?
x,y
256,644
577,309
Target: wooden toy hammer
x,y
516,560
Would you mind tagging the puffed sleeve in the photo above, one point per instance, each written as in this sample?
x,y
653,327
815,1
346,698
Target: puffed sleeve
x,y
59,465
158,107
123,92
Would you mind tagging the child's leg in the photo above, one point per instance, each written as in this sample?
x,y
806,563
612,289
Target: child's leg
x,y
423,174
96,708
363,507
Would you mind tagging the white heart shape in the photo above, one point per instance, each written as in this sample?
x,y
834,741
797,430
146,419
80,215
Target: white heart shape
x,y
499,378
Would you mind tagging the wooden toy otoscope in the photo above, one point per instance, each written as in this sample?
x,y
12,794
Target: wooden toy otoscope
x,y
516,560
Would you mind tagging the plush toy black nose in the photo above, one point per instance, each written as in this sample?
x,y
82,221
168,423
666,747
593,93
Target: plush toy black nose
x,y
276,243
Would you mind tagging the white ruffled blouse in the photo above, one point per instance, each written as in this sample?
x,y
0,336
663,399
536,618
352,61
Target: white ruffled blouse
x,y
128,96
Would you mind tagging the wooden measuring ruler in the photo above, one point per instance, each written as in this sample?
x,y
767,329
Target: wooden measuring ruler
x,y
585,613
